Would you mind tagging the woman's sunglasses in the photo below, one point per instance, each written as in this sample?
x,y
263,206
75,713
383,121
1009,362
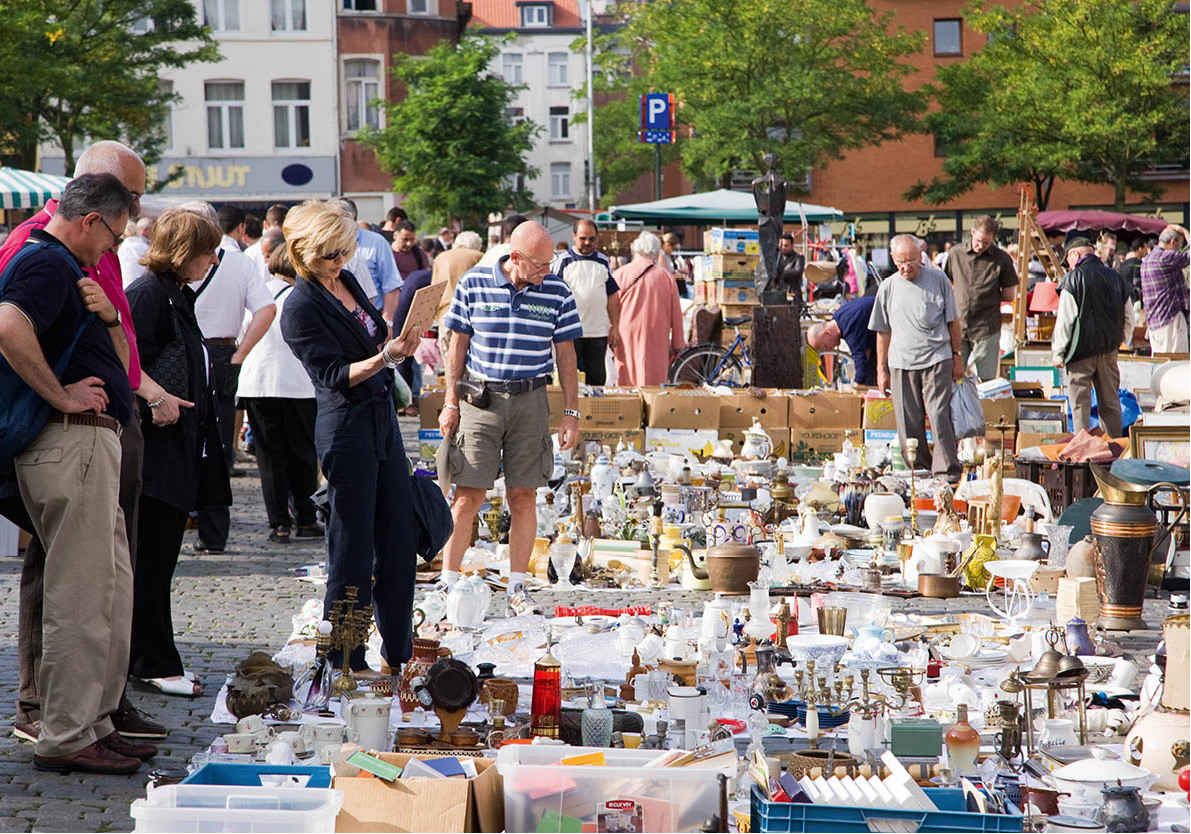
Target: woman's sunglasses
x,y
336,255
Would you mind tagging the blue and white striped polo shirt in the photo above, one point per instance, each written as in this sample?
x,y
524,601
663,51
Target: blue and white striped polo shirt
x,y
511,331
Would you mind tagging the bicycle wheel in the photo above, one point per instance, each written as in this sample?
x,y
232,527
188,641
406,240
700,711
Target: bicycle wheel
x,y
707,365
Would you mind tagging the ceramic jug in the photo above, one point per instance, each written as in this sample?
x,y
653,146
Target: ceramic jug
x,y
757,444
414,673
465,605
367,720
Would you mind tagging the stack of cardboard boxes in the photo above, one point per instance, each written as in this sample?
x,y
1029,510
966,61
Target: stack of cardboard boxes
x,y
724,274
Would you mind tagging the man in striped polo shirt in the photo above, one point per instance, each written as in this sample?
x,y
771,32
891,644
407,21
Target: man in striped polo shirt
x,y
506,318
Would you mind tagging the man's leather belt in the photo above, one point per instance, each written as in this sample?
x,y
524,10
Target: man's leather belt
x,y
102,421
516,386
226,342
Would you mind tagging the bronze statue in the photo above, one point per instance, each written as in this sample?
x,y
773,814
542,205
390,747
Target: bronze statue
x,y
770,193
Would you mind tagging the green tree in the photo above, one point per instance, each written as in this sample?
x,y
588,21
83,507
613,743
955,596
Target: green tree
x,y
72,69
450,145
1072,89
806,81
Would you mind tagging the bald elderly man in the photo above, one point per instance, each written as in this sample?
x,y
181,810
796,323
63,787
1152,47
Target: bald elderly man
x,y
505,319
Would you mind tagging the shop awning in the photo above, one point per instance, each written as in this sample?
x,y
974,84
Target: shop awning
x,y
21,189
716,207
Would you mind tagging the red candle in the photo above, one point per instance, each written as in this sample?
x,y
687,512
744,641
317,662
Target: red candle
x,y
545,711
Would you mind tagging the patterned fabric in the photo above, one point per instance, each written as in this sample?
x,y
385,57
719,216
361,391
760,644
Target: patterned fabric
x,y
362,316
511,330
1163,288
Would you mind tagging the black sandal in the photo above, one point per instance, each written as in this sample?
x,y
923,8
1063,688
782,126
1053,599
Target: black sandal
x,y
280,535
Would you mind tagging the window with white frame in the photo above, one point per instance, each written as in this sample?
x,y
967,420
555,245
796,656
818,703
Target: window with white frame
x,y
361,80
510,67
291,114
535,16
222,15
560,124
514,115
167,122
560,180
556,69
419,7
287,15
359,5
225,114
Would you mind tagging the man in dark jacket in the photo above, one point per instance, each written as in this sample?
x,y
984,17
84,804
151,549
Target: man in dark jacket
x,y
1093,317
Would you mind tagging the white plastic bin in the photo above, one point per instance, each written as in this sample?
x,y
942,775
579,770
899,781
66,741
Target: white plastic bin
x,y
622,796
233,808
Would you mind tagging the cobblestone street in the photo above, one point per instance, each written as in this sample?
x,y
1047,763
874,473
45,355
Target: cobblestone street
x,y
226,605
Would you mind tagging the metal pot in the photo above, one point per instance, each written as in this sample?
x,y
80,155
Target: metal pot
x,y
1124,528
730,567
1123,809
938,585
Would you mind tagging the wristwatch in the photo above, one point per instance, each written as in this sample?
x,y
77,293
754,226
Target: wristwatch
x,y
956,353
570,412
112,324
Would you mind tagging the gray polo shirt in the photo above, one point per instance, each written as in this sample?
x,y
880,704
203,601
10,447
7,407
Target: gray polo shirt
x,y
915,315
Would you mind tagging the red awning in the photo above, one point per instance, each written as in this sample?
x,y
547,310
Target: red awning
x,y
1066,221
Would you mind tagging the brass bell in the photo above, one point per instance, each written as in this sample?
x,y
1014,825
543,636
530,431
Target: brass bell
x,y
1048,665
1070,667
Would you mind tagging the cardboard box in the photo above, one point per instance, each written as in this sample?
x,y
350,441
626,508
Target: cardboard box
x,y
555,402
878,414
681,409
735,292
681,441
814,445
611,411
739,241
469,805
430,405
704,293
593,438
825,410
780,437
740,408
428,442
737,267
996,409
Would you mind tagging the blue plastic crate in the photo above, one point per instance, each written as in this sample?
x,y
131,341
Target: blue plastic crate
x,y
249,775
951,816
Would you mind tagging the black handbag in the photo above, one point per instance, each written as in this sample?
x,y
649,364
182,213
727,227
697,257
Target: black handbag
x,y
170,368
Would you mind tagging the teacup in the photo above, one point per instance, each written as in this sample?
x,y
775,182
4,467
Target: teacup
x,y
327,732
296,740
241,742
251,724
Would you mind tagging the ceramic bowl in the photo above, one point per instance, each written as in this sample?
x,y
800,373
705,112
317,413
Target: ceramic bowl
x,y
824,649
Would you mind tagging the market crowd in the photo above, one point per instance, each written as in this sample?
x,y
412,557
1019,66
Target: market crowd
x,y
141,354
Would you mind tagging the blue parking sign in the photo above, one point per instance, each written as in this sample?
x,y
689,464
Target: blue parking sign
x,y
657,119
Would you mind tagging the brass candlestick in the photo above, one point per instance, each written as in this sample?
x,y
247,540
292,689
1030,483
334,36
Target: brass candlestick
x,y
349,629
912,448
492,519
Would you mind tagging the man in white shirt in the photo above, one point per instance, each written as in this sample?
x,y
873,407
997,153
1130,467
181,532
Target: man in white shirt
x,y
132,249
595,291
232,287
274,217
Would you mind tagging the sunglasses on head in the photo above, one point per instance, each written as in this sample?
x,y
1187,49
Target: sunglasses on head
x,y
332,256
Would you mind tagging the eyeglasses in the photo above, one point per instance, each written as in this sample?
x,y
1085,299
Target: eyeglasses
x,y
538,268
334,256
900,264
115,237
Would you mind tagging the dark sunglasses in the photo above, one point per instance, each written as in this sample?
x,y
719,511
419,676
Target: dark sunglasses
x,y
331,256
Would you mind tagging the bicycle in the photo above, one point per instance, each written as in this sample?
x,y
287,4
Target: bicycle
x,y
710,364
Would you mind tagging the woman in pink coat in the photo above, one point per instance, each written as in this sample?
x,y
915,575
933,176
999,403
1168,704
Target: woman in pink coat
x,y
650,316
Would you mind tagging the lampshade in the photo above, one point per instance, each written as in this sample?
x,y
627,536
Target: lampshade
x,y
817,272
1045,297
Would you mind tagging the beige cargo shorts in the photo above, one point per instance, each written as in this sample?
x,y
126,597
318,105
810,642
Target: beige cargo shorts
x,y
513,432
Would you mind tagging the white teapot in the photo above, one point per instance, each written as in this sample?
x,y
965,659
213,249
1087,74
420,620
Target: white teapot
x,y
757,444
603,478
722,452
466,603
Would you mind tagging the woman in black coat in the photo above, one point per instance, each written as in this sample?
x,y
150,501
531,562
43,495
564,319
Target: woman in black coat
x,y
343,343
184,462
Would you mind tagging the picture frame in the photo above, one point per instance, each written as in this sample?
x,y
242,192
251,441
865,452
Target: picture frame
x,y
1055,410
1046,376
1168,444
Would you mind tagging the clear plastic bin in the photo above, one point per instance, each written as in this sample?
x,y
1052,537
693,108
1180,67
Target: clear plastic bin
x,y
622,796
234,808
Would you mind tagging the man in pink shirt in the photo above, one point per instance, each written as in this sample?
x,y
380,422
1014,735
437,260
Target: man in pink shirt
x,y
123,163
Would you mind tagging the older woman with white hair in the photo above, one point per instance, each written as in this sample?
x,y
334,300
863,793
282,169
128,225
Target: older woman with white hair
x,y
650,316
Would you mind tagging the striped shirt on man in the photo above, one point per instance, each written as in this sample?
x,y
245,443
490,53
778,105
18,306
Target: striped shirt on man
x,y
512,331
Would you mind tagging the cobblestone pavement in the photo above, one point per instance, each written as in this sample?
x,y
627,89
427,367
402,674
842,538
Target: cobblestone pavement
x,y
225,605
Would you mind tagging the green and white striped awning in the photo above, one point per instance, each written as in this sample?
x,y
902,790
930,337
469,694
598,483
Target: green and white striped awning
x,y
21,189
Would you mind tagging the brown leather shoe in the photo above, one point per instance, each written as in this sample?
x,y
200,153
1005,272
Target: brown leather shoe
x,y
26,731
132,723
91,759
115,742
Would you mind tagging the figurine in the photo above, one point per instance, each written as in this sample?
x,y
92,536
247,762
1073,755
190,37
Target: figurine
x,y
948,519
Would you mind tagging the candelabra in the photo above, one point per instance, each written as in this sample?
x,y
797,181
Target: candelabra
x,y
903,681
349,630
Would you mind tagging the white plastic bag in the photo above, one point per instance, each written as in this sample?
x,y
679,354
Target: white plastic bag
x,y
967,415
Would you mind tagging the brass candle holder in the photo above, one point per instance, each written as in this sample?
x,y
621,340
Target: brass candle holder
x,y
349,629
903,680
492,519
912,448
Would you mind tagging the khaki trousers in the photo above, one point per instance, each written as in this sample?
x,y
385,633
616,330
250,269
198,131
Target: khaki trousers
x,y
132,448
1102,373
69,479
1170,337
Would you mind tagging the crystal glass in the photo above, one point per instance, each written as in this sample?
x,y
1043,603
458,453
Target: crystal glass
x,y
1059,536
562,557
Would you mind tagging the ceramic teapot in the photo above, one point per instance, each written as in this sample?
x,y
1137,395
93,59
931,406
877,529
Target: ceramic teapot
x,y
367,719
757,444
466,604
